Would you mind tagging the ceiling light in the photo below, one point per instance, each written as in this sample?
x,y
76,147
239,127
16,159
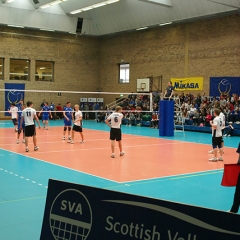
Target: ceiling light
x,y
49,30
52,3
101,4
42,68
111,1
8,1
141,28
87,8
163,24
17,26
0,65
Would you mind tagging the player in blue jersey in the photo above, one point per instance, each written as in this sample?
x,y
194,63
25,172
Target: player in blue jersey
x,y
46,112
68,116
23,106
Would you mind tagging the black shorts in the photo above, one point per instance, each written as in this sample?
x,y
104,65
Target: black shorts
x,y
77,128
14,120
115,134
217,142
30,131
238,150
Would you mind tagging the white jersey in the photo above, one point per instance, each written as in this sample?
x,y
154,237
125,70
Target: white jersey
x,y
217,132
116,119
14,112
222,116
78,115
29,115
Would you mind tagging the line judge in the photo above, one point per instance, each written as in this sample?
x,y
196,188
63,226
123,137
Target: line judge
x,y
169,91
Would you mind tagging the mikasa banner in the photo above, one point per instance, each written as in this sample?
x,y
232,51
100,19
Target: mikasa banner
x,y
77,212
187,84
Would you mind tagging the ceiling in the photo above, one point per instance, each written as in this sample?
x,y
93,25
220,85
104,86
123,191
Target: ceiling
x,y
125,15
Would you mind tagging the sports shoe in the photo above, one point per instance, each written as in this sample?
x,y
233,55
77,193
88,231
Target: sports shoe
x,y
213,159
122,153
17,141
72,142
63,138
69,141
113,155
211,152
27,150
23,141
220,158
36,148
82,142
69,138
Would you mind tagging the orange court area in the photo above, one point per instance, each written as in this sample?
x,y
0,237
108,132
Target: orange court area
x,y
145,157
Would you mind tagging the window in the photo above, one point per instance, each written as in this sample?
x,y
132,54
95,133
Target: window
x,y
19,69
44,71
124,73
1,68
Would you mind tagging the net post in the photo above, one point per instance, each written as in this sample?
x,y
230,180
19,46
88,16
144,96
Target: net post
x,y
151,101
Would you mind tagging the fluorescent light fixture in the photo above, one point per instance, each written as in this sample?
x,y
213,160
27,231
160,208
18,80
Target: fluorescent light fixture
x,y
17,26
42,68
87,8
8,1
163,24
111,1
141,28
49,30
52,3
0,65
101,4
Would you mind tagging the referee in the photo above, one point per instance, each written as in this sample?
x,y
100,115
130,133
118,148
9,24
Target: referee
x,y
169,91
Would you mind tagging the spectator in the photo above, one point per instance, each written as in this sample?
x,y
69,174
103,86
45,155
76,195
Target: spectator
x,y
228,130
59,111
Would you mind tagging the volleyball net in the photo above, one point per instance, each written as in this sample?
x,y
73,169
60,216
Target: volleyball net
x,y
89,102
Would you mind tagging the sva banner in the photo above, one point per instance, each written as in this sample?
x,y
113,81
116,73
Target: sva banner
x,y
77,212
187,84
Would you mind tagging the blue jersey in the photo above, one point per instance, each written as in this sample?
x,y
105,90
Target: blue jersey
x,y
47,109
19,119
68,112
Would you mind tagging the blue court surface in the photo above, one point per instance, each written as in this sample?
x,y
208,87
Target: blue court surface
x,y
24,183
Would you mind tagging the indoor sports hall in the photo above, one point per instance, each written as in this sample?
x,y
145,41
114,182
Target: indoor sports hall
x,y
100,54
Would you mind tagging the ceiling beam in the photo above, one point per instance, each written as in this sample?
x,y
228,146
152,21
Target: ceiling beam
x,y
166,3
225,4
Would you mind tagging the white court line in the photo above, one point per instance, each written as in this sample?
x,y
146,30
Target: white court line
x,y
110,180
91,149
62,141
171,176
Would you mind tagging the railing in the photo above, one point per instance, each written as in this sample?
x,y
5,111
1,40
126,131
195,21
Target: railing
x,y
115,103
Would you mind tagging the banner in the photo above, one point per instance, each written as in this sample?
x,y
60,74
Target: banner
x,y
224,85
187,84
77,212
13,94
230,175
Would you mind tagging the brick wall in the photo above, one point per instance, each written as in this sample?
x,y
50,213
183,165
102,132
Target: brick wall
x,y
76,62
204,48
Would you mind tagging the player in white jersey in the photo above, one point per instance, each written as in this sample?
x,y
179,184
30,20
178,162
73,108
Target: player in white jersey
x,y
216,136
115,120
28,116
14,113
77,127
222,116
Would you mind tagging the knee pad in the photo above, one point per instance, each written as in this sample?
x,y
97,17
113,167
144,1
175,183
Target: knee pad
x,y
65,129
19,131
69,128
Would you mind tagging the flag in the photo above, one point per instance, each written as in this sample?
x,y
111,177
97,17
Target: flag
x,y
230,175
